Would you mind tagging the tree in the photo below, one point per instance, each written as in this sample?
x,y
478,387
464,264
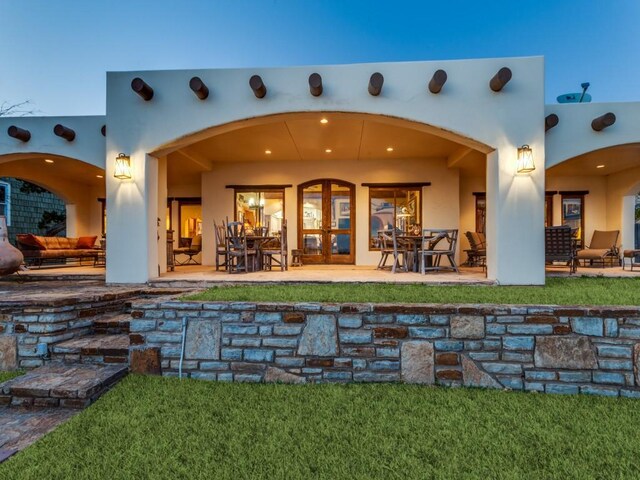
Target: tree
x,y
21,109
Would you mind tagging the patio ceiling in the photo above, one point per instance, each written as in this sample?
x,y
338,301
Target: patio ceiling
x,y
303,137
611,160
42,169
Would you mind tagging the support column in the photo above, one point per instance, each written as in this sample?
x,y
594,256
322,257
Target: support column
x,y
515,218
132,212
72,220
628,222
162,215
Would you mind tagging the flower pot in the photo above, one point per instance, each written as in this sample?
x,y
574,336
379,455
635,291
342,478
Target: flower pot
x,y
10,257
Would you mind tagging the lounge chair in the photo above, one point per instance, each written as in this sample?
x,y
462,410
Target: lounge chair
x,y
559,245
603,248
477,253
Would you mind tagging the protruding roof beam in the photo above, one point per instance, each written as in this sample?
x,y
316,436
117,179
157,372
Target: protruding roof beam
x,y
375,84
603,121
550,121
65,132
199,88
103,130
142,88
19,133
500,79
258,86
437,81
315,84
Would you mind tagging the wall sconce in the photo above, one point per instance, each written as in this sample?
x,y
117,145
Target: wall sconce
x,y
123,167
525,159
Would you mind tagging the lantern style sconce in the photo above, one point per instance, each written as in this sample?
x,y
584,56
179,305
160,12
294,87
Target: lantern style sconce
x,y
525,159
123,167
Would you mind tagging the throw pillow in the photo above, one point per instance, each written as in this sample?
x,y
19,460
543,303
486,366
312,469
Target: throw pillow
x,y
86,243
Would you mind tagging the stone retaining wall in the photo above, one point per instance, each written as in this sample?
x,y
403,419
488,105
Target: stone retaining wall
x,y
533,348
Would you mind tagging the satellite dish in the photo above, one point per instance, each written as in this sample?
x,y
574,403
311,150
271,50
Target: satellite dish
x,y
574,98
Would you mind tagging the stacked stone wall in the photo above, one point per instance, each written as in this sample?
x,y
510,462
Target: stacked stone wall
x,y
532,348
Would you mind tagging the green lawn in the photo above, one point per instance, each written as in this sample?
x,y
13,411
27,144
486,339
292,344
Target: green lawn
x,y
557,291
165,428
4,376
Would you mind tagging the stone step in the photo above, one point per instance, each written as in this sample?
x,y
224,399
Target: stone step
x,y
60,385
93,349
112,324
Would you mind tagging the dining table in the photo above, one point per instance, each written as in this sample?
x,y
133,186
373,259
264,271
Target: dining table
x,y
414,243
255,242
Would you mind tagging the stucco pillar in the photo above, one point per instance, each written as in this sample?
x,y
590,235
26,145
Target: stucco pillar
x,y
628,222
132,212
515,219
162,215
72,220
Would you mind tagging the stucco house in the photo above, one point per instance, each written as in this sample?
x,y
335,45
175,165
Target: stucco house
x,y
335,150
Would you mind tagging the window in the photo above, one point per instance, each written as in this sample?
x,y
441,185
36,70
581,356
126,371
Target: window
x,y
189,220
481,211
5,201
573,215
389,207
260,208
103,209
548,210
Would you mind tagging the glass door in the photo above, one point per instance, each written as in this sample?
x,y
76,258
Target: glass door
x,y
326,224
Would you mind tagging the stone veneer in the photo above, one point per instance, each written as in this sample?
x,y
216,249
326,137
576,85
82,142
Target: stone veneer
x,y
535,348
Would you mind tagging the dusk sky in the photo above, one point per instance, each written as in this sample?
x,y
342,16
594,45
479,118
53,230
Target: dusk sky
x,y
56,53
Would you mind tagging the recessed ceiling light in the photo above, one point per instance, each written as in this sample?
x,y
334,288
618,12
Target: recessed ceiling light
x,y
99,176
328,150
324,121
600,166
48,160
268,152
389,149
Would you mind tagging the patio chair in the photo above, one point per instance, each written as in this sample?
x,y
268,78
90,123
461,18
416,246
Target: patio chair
x,y
603,248
389,246
560,246
477,253
191,251
273,249
438,243
240,258
221,244
633,256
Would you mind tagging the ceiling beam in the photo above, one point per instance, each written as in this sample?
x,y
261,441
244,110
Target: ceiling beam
x,y
202,162
456,157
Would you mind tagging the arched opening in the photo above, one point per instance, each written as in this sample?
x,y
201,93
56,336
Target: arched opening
x,y
50,196
393,164
597,191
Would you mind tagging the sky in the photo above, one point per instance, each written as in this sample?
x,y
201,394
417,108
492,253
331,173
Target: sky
x,y
56,53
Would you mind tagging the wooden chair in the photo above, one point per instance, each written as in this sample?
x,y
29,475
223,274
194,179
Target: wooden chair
x,y
389,246
438,243
276,248
221,244
191,251
603,248
240,258
560,246
477,253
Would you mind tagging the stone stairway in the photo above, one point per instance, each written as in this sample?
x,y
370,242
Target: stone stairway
x,y
60,385
93,349
112,324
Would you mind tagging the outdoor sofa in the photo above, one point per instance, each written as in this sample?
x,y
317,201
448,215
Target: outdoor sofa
x,y
37,249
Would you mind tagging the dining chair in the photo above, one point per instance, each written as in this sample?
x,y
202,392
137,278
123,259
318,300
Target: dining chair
x,y
240,258
221,244
275,248
438,243
389,246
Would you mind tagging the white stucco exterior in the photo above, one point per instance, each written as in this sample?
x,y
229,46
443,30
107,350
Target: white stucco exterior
x,y
466,112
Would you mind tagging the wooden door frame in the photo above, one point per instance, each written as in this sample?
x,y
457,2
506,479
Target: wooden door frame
x,y
326,216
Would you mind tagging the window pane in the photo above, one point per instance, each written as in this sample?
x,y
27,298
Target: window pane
x,y
340,207
393,207
312,244
3,194
312,207
572,215
261,209
341,244
481,213
190,221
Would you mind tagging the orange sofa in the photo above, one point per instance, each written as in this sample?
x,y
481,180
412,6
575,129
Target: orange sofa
x,y
36,248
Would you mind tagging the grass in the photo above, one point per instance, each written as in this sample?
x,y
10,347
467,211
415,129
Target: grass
x,y
4,376
557,291
150,427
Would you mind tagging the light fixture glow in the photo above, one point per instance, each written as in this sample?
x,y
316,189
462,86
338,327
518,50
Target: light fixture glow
x,y
48,160
600,166
267,152
123,167
525,160
99,176
389,149
324,121
328,150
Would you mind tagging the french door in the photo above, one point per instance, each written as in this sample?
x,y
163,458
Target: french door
x,y
326,222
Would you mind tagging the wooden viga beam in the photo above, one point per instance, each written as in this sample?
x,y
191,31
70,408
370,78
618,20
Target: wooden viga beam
x,y
550,121
142,88
437,81
19,133
375,84
315,84
500,79
64,132
199,88
258,86
603,121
